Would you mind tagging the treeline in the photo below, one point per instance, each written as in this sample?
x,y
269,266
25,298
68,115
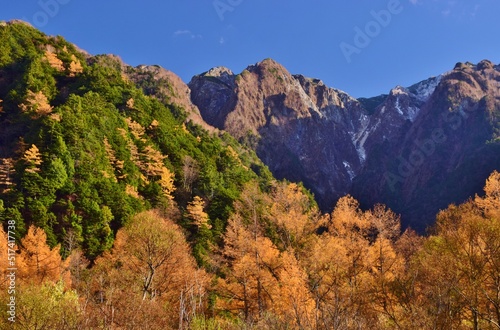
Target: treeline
x,y
282,265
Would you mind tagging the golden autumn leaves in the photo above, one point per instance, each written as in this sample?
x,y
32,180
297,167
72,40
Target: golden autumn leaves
x,y
149,278
36,103
147,158
36,262
281,264
361,272
304,280
74,67
44,299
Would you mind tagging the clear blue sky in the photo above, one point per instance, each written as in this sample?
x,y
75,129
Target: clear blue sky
x,y
422,38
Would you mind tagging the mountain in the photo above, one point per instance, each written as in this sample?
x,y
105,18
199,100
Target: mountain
x,y
299,127
416,149
440,156
127,201
87,142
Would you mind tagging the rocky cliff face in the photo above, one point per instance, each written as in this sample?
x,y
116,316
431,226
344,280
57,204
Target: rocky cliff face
x,y
444,154
299,127
416,149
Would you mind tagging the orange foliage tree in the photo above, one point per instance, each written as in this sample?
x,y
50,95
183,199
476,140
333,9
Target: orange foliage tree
x,y
149,277
261,283
250,284
462,263
37,262
294,214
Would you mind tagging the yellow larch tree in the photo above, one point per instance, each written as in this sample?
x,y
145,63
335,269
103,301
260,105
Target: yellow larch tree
x,y
462,262
130,103
33,159
166,182
154,125
251,284
490,203
37,262
384,222
152,161
294,304
5,248
132,148
348,220
135,128
293,213
75,67
340,268
36,104
329,270
54,61
196,214
149,160
149,277
112,160
386,266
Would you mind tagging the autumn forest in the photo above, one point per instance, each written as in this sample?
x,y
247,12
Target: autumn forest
x,y
119,211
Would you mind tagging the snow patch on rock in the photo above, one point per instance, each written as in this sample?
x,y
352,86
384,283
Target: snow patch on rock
x,y
359,139
349,170
398,107
424,89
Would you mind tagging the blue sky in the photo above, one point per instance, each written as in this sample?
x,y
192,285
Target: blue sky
x,y
401,41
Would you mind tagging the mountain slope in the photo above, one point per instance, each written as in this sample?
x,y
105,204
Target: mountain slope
x,y
335,144
83,148
416,149
442,156
300,128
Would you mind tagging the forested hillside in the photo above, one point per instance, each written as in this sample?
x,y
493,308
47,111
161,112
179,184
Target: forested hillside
x,y
126,214
82,149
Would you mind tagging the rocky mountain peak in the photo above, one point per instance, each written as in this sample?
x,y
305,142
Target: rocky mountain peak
x,y
218,71
213,92
306,131
482,65
168,86
412,149
420,165
15,21
485,64
301,128
223,74
469,82
398,90
267,64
